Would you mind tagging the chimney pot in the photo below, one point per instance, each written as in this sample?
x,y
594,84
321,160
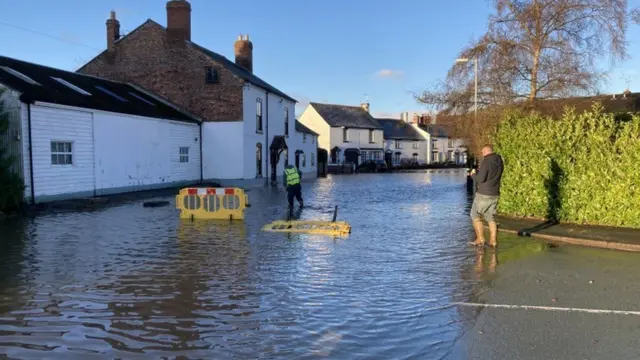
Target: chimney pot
x,y
365,106
243,49
179,20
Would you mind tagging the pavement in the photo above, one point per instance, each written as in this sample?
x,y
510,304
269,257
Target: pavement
x,y
625,239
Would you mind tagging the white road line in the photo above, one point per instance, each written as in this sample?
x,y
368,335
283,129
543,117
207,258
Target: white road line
x,y
549,308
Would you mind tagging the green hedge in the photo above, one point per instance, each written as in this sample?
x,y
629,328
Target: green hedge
x,y
11,186
583,168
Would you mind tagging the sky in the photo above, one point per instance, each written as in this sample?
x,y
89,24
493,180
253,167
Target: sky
x,y
335,51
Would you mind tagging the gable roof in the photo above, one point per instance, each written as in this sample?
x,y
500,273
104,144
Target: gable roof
x,y
346,116
237,70
38,83
399,130
303,129
435,130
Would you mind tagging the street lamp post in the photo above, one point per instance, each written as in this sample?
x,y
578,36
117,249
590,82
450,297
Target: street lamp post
x,y
475,97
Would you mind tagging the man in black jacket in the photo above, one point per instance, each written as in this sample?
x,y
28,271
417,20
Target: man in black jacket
x,y
485,202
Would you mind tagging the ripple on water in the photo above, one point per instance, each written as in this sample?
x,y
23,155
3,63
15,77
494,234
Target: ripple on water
x,y
135,282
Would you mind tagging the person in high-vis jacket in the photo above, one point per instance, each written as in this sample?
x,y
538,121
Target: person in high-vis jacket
x,y
292,177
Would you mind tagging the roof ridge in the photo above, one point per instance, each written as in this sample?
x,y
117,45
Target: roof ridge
x,y
330,104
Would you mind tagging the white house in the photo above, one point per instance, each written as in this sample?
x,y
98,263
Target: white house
x,y
443,147
305,144
403,143
349,133
248,125
78,136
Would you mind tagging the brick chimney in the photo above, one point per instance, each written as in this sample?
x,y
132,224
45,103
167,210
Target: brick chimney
x,y
243,49
179,20
415,119
113,32
365,106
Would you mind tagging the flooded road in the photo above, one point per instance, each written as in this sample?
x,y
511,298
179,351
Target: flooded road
x,y
133,282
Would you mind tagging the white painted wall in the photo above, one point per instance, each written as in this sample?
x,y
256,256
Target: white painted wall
x,y
56,124
273,117
223,150
406,150
357,138
309,145
446,149
425,150
137,151
111,152
311,119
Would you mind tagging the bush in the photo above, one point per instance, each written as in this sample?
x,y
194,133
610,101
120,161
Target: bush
x,y
11,187
581,168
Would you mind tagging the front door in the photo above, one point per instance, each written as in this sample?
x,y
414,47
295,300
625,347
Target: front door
x,y
351,156
297,160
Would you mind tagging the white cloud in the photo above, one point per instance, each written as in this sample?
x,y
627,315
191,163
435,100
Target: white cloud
x,y
387,73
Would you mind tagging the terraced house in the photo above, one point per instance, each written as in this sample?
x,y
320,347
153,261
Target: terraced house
x,y
248,130
403,144
349,133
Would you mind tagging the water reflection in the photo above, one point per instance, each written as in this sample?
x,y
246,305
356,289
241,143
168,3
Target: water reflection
x,y
133,282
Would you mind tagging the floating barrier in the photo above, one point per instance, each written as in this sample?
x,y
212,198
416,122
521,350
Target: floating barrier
x,y
212,203
334,228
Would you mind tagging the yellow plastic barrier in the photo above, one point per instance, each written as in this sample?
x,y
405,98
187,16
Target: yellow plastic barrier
x,y
333,228
212,203
339,228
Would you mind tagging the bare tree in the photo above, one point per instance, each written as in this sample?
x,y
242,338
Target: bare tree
x,y
536,49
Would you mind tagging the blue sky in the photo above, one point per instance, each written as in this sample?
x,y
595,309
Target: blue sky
x,y
327,51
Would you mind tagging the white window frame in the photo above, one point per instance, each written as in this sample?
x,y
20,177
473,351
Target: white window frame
x,y
416,145
398,144
304,137
286,122
372,136
59,153
345,135
259,117
183,155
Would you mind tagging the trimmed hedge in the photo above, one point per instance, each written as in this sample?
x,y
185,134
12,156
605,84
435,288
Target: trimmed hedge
x,y
583,168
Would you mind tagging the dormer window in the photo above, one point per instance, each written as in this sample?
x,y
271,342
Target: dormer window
x,y
211,75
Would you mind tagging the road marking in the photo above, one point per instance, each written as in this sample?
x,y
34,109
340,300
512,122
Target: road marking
x,y
549,308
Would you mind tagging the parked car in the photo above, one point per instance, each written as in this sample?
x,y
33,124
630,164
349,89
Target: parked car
x,y
372,166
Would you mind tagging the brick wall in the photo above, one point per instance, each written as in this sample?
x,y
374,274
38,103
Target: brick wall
x,y
146,58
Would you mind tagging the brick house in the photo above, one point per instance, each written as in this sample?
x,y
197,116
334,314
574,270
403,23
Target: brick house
x,y
243,115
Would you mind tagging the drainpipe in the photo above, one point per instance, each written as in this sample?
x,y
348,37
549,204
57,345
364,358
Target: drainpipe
x,y
31,175
201,158
266,143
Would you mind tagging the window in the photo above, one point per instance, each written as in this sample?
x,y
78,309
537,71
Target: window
x,y
304,160
184,154
449,155
258,160
141,98
211,75
313,160
416,145
108,92
450,143
372,138
71,86
363,156
415,157
286,121
397,158
286,157
304,138
20,75
259,115
398,144
345,135
61,153
434,156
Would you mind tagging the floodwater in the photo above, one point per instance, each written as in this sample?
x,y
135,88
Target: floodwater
x,y
133,282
